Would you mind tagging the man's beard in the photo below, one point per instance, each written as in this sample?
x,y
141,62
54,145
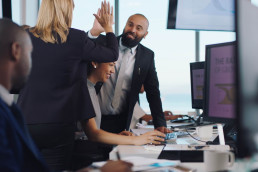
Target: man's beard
x,y
128,42
18,83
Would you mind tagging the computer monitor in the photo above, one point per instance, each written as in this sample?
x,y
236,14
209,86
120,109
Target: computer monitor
x,y
219,92
201,15
247,77
197,84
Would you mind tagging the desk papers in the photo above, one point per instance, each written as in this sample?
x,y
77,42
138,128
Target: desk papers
x,y
141,163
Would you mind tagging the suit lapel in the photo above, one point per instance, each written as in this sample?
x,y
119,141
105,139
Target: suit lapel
x,y
137,69
21,131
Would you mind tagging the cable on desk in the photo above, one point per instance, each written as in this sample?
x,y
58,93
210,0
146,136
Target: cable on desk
x,y
194,137
191,118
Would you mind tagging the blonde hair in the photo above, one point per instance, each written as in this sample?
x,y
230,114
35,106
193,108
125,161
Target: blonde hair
x,y
54,18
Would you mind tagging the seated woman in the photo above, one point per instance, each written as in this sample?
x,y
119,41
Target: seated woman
x,y
87,149
101,72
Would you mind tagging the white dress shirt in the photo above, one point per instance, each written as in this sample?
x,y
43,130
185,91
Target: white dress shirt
x,y
138,112
108,88
95,102
6,96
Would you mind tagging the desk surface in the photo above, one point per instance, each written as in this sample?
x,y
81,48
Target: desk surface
x,y
153,152
150,151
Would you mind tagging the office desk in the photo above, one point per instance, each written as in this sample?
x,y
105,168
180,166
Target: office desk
x,y
150,151
142,151
147,151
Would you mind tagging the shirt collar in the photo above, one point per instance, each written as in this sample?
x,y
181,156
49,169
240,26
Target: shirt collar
x,y
122,47
90,84
6,96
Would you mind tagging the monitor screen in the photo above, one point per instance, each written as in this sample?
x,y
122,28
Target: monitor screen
x,y
247,85
219,94
201,15
197,84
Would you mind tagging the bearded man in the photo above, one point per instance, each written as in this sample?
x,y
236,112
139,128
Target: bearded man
x,y
135,67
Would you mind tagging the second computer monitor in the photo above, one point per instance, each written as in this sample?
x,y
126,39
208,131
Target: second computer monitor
x,y
197,84
219,94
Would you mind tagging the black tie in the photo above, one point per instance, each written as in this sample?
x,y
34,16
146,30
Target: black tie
x,y
98,87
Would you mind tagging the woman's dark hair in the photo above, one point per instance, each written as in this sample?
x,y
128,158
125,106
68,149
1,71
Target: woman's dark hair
x,y
89,68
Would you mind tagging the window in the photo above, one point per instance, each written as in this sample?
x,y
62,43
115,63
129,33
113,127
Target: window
x,y
210,37
83,13
16,11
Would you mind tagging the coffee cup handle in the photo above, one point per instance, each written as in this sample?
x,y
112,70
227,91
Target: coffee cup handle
x,y
232,159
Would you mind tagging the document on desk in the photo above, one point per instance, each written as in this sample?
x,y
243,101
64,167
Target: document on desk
x,y
196,147
141,163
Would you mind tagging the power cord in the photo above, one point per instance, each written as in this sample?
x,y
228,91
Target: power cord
x,y
194,137
191,118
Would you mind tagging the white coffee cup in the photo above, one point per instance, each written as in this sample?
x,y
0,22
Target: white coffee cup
x,y
192,114
205,132
218,160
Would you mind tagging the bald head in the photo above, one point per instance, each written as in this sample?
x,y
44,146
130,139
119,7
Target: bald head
x,y
143,18
15,54
10,32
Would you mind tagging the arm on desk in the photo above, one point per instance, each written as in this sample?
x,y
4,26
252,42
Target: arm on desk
x,y
98,135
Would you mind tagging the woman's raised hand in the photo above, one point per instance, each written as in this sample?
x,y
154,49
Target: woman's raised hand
x,y
105,17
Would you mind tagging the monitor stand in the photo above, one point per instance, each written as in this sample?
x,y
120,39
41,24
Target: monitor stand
x,y
230,134
201,122
229,131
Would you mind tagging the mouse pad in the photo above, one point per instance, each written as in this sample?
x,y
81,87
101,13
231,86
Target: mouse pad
x,y
183,156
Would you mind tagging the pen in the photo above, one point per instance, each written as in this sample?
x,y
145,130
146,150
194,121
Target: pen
x,y
133,132
118,155
197,147
161,144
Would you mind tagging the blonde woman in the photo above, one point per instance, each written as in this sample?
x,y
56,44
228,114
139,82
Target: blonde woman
x,y
56,94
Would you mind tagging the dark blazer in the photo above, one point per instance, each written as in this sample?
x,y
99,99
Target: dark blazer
x,y
144,73
17,151
56,91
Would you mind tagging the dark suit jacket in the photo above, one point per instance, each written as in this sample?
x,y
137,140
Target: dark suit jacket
x,y
56,91
144,73
17,151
